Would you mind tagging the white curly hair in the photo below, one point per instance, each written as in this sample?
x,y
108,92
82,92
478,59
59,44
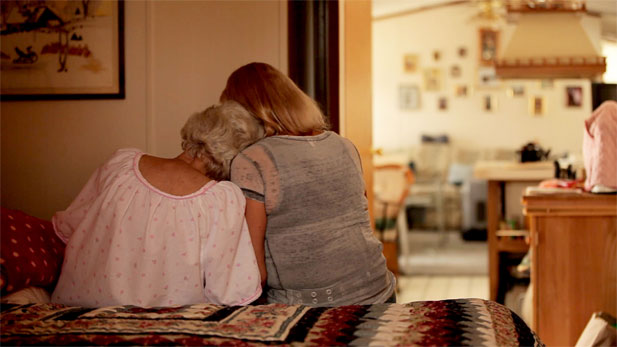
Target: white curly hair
x,y
218,134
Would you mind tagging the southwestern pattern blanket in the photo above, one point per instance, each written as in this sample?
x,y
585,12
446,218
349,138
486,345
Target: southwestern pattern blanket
x,y
462,322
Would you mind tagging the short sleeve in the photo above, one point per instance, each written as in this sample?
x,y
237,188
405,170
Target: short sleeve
x,y
65,222
230,268
245,174
353,153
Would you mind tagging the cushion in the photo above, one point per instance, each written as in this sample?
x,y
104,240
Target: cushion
x,y
31,253
30,295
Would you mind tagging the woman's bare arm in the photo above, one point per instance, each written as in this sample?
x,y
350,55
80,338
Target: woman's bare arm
x,y
256,220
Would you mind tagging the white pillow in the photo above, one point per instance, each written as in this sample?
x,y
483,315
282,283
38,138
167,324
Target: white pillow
x,y
30,295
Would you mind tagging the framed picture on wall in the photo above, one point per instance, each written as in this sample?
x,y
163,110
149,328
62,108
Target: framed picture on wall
x,y
455,71
574,96
436,55
410,63
409,97
461,90
489,103
516,91
489,40
63,50
432,79
487,77
537,105
442,103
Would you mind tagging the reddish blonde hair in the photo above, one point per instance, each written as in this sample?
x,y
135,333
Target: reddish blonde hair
x,y
275,99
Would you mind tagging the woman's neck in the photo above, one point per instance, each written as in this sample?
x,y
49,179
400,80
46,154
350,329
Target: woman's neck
x,y
195,163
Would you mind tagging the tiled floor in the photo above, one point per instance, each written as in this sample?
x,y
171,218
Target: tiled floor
x,y
442,267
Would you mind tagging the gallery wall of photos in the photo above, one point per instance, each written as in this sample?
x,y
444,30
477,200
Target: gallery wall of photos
x,y
432,73
435,75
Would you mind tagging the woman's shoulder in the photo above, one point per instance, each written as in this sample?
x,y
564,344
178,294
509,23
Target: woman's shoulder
x,y
121,160
226,192
226,187
123,155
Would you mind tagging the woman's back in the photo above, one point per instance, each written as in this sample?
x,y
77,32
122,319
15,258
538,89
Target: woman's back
x,y
320,248
172,176
130,242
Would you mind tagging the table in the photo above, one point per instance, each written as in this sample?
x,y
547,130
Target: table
x,y
498,174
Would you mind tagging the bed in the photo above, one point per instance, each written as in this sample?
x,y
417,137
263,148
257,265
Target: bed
x,y
31,257
463,322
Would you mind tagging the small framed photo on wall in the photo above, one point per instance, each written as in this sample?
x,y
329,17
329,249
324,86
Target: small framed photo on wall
x,y
537,105
432,79
461,90
455,71
487,77
409,97
410,63
442,103
516,91
489,40
574,96
489,103
436,55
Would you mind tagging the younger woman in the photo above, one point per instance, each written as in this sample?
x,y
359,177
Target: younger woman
x,y
305,199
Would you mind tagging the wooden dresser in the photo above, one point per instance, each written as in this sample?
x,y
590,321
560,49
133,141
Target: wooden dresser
x,y
573,263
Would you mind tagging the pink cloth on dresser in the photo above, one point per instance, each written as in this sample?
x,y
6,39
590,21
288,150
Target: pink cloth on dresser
x,y
600,146
130,243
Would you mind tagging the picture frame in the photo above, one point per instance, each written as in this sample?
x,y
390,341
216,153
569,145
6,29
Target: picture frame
x,y
455,71
489,103
63,50
516,91
436,55
432,79
537,105
409,97
574,96
487,77
442,103
489,41
461,90
410,63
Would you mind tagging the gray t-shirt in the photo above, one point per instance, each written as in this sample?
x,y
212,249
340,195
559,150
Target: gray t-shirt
x,y
320,248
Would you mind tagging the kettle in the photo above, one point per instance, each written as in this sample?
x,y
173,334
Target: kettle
x,y
532,152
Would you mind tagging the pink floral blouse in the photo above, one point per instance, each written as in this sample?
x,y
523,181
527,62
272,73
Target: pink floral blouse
x,y
130,243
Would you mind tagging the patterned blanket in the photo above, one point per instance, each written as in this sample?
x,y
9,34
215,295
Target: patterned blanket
x,y
463,322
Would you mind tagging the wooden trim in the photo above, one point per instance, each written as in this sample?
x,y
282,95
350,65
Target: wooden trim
x,y
537,211
493,206
534,241
550,67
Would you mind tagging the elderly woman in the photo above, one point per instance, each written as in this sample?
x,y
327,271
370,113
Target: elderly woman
x,y
306,203
152,231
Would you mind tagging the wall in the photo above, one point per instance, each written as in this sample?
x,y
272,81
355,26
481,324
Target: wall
x,y
355,83
509,126
178,56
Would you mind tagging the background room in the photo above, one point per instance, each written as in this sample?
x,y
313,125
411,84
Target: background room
x,y
446,103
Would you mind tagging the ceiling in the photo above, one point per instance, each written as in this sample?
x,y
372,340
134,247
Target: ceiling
x,y
606,9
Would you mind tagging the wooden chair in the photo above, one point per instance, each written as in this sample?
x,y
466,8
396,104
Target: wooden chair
x,y
391,185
